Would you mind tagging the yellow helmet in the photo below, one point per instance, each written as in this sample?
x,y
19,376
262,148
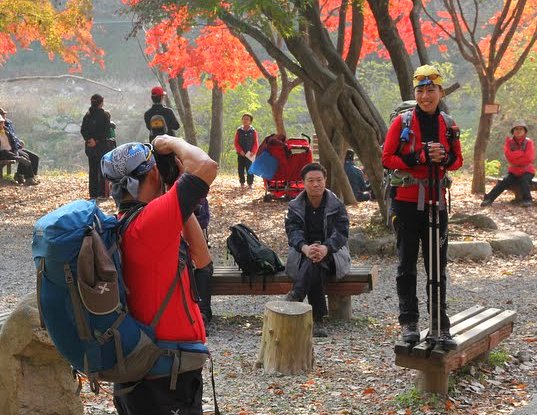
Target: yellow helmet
x,y
426,75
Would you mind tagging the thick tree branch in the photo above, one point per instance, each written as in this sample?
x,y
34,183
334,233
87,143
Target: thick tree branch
x,y
342,23
418,34
357,37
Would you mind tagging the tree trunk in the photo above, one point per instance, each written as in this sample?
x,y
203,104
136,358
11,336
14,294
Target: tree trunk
x,y
329,157
286,344
482,139
277,116
418,34
217,124
395,46
185,115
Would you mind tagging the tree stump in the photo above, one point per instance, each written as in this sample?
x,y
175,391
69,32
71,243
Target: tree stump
x,y
286,344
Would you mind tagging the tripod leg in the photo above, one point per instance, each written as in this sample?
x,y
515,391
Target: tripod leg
x,y
437,253
430,250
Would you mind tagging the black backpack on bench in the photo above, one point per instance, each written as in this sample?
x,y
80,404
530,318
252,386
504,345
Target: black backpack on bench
x,y
251,255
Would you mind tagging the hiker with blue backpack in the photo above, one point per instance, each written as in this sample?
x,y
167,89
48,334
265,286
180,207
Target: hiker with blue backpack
x,y
421,145
317,227
150,255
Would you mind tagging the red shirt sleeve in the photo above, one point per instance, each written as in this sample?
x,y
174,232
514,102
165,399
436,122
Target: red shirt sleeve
x,y
255,144
238,148
390,157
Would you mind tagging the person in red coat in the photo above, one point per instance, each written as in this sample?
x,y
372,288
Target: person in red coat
x,y
416,142
519,152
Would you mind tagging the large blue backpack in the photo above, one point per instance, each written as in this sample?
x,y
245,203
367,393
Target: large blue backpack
x,y
82,300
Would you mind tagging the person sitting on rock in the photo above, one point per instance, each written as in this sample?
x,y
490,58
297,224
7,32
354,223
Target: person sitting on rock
x,y
519,152
359,185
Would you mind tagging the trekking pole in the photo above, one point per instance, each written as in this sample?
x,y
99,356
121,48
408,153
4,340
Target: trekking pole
x,y
437,243
430,212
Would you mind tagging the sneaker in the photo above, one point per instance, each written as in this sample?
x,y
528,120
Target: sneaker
x,y
410,332
446,340
318,330
19,178
526,203
31,182
291,296
486,202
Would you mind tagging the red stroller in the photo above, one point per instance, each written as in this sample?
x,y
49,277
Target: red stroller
x,y
289,156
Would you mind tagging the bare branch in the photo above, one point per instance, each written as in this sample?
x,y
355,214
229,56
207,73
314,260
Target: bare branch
x,y
341,26
517,16
357,37
520,60
64,76
418,34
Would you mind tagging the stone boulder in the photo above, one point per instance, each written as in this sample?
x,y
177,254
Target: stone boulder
x,y
34,378
479,220
512,243
361,244
475,250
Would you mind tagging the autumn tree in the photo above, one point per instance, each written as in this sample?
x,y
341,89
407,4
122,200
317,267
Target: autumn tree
x,y
63,31
497,49
325,63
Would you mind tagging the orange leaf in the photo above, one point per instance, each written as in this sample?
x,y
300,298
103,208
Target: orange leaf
x,y
449,405
369,391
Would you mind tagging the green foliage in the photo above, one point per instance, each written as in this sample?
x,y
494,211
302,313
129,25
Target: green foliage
x,y
492,167
498,357
467,143
410,399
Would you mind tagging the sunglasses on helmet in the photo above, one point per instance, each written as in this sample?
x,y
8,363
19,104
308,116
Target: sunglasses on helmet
x,y
430,77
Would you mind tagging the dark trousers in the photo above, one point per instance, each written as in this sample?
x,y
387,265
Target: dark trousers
x,y
311,280
27,162
524,181
203,284
155,397
96,178
244,163
412,227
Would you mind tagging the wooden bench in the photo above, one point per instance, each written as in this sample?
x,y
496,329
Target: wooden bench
x,y
476,330
361,279
7,164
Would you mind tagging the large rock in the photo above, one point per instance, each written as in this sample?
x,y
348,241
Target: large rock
x,y
469,249
512,243
479,220
34,378
360,244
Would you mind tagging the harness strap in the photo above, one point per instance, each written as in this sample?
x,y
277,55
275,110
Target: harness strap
x,y
81,323
169,294
176,366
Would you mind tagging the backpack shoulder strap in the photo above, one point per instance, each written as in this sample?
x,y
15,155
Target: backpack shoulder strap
x,y
406,122
448,119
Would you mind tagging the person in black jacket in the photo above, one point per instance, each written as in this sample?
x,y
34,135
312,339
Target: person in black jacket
x,y
95,130
158,108
317,227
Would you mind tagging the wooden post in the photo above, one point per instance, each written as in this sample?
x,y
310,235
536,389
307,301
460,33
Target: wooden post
x,y
340,307
432,382
286,344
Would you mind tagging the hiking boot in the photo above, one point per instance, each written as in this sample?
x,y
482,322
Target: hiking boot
x,y
291,296
486,202
446,340
318,329
19,178
410,332
31,182
526,203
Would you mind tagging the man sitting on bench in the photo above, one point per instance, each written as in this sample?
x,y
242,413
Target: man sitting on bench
x,y
317,228
520,154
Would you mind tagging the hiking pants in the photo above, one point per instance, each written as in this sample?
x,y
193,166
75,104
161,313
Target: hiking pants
x,y
524,181
412,226
311,280
153,396
244,163
96,178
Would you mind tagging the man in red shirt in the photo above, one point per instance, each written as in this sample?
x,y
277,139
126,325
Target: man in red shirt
x,y
150,258
412,150
519,152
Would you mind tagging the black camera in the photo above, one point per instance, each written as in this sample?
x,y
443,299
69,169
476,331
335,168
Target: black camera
x,y
167,168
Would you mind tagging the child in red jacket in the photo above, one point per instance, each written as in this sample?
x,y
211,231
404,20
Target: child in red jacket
x,y
519,152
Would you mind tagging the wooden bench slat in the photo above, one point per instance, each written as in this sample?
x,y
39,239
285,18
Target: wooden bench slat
x,y
405,348
474,321
229,281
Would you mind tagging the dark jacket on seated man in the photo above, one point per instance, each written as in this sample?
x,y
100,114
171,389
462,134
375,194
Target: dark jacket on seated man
x,y
317,228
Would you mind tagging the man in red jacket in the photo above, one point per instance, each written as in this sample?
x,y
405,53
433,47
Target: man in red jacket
x,y
151,260
519,152
416,142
